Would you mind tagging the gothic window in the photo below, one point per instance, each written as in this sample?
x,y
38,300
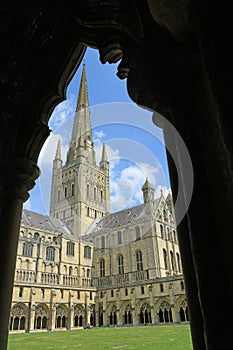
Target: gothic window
x,y
172,260
88,190
72,189
119,237
139,260
42,293
164,215
95,214
178,262
50,253
120,264
101,196
88,211
20,292
165,313
161,231
102,242
70,248
137,232
36,236
126,292
87,252
165,258
102,268
27,249
65,192
70,271
142,290
161,287
174,236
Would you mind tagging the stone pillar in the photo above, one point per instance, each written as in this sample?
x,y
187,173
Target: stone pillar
x,y
52,311
31,311
105,316
97,311
32,318
17,177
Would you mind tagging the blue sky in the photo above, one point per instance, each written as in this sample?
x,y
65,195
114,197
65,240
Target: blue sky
x,y
134,144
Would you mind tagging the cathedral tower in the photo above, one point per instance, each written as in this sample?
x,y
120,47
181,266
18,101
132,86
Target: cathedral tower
x,y
80,190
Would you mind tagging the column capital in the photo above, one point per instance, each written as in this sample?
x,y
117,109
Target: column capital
x,y
17,177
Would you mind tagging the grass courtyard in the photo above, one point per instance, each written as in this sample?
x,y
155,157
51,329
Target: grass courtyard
x,y
169,337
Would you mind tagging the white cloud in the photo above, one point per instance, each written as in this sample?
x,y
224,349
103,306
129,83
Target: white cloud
x,y
62,112
127,183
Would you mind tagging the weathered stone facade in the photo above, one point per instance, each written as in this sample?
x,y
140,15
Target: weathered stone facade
x,y
82,265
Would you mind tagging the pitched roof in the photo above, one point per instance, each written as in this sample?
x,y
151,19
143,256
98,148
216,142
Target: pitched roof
x,y
120,218
46,222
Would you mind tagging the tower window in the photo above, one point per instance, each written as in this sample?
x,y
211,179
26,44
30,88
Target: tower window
x,y
120,264
72,189
102,268
161,231
165,258
65,192
101,196
139,260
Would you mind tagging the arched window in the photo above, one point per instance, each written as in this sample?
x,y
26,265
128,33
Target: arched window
x,y
36,236
88,190
161,231
165,258
172,260
70,270
102,268
120,264
137,232
70,248
164,214
119,237
101,196
65,192
87,252
174,236
50,253
161,287
139,260
27,249
178,262
72,189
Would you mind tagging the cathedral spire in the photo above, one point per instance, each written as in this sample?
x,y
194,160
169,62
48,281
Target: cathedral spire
x,y
104,153
82,123
58,151
83,91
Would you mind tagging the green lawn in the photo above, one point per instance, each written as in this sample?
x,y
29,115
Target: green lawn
x,y
142,338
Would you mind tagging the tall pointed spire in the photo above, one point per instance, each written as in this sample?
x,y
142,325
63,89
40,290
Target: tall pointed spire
x,y
82,123
58,151
104,153
83,91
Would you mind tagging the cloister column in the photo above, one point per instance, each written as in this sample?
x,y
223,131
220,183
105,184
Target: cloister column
x,y
17,177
